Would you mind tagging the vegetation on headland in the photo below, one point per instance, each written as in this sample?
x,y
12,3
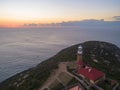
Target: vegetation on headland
x,y
102,55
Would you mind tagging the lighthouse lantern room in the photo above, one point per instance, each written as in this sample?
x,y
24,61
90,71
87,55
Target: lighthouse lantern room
x,y
79,53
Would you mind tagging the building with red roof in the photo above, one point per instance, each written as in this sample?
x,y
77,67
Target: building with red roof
x,y
90,73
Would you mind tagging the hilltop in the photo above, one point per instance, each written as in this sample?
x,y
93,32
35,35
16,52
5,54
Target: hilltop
x,y
102,55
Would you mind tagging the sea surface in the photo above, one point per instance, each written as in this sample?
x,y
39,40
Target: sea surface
x,y
21,49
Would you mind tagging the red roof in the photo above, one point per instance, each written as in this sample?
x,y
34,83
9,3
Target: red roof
x,y
77,87
91,73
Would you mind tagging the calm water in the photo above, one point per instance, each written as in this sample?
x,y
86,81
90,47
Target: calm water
x,y
21,49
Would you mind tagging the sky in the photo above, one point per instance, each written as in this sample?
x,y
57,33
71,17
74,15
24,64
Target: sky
x,y
14,13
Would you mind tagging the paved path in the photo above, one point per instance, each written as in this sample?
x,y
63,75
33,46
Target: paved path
x,y
54,75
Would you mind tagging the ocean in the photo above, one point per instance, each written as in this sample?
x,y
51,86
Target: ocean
x,y
21,49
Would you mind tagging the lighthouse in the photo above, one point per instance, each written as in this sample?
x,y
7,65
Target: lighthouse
x,y
79,53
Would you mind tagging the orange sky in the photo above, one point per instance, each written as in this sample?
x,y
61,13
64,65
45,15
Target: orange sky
x,y
19,23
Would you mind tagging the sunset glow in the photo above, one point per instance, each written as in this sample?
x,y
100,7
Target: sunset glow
x,y
15,13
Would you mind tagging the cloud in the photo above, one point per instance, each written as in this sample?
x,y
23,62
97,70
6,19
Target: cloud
x,y
32,25
89,23
116,18
42,25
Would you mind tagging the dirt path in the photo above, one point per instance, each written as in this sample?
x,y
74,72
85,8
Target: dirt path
x,y
55,73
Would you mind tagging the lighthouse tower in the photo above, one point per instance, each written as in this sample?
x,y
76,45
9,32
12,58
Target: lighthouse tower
x,y
79,54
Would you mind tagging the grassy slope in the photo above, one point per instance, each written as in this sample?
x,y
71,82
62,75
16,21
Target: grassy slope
x,y
39,74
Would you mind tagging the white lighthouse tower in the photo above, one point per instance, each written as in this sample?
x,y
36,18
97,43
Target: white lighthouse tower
x,y
79,53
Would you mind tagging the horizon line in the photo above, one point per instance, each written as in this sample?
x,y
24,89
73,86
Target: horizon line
x,y
47,25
